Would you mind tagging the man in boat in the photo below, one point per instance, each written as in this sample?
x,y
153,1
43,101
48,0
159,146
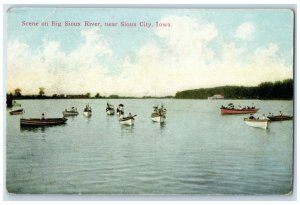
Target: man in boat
x,y
43,116
252,117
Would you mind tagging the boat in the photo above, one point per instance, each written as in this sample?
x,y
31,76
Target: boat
x,y
33,122
263,123
159,114
120,110
87,110
72,112
110,110
17,112
231,110
279,117
129,120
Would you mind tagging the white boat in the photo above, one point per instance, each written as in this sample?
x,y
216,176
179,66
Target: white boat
x,y
159,114
72,112
120,109
87,111
158,118
127,120
259,123
110,110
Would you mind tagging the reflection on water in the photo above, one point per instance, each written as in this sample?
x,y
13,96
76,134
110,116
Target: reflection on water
x,y
39,128
126,129
33,129
196,151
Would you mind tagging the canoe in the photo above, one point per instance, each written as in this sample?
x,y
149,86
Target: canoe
x,y
110,111
42,122
87,113
70,113
263,123
16,112
120,110
127,120
280,117
156,117
226,111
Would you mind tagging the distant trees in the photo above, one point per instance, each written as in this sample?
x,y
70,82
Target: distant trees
x,y
87,95
18,92
42,91
97,95
113,96
266,90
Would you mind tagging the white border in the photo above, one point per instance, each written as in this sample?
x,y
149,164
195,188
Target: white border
x,y
86,199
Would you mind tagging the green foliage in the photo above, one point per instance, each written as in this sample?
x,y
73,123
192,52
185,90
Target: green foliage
x,y
97,95
266,90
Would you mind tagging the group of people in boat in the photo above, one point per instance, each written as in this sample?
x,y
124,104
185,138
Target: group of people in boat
x,y
230,106
87,108
251,117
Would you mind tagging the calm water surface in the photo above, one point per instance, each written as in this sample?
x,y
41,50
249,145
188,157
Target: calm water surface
x,y
197,150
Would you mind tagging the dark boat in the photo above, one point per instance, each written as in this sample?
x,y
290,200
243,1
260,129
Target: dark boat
x,y
42,121
280,117
16,112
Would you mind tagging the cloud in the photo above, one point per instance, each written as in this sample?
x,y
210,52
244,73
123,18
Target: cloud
x,y
181,58
59,72
245,31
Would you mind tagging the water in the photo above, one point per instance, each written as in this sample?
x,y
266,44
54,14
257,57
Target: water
x,y
197,150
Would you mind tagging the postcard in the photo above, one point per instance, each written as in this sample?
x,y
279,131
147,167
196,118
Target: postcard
x,y
149,101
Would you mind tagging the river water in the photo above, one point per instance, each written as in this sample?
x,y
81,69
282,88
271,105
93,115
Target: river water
x,y
196,151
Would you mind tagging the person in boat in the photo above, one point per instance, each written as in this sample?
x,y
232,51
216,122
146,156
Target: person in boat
x,y
43,116
251,117
280,113
264,117
130,116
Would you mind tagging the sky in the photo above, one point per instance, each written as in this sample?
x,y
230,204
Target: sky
x,y
192,48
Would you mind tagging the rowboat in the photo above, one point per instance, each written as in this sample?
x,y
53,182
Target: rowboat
x,y
127,120
110,110
120,109
42,121
16,112
72,112
231,110
225,111
259,123
159,114
87,111
158,117
280,118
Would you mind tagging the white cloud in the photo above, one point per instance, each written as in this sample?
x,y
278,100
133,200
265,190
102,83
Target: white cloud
x,y
245,31
59,72
183,61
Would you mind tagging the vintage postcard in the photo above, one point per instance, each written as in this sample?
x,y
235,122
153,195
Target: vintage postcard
x,y
139,101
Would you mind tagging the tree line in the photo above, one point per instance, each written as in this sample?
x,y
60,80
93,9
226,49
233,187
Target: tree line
x,y
41,94
266,90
